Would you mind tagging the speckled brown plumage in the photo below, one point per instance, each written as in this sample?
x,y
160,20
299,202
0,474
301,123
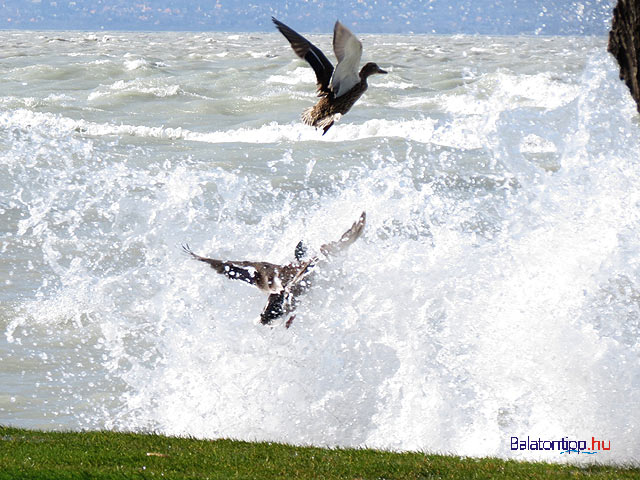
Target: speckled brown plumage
x,y
339,89
283,283
329,108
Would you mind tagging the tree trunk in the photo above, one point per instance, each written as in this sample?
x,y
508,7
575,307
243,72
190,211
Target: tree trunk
x,y
624,43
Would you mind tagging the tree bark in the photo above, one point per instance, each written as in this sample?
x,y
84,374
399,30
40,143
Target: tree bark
x,y
624,44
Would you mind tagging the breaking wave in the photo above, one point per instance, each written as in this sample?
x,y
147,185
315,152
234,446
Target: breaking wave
x,y
494,293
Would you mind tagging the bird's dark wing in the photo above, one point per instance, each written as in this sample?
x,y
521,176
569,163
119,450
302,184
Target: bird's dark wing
x,y
274,308
312,54
248,272
347,238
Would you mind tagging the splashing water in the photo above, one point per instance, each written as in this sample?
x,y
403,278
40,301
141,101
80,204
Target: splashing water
x,y
495,292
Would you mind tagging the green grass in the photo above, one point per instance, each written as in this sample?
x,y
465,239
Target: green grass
x,y
112,455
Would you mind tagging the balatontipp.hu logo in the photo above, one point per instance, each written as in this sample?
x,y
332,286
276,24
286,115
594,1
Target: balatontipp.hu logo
x,y
562,446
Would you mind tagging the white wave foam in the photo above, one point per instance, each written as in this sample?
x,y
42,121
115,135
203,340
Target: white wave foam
x,y
457,135
135,64
395,85
136,87
299,75
534,144
508,91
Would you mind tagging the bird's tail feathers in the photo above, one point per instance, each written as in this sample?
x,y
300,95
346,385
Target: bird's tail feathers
x,y
307,117
310,117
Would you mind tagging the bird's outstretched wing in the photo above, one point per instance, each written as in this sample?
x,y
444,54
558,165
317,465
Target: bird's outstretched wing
x,y
347,238
348,50
248,272
312,54
285,301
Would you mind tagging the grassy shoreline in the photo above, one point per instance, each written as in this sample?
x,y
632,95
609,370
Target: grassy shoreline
x,y
31,454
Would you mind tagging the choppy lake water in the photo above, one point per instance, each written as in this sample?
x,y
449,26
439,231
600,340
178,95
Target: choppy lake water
x,y
495,291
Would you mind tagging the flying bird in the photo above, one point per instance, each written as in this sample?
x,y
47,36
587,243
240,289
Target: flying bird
x,y
283,283
339,89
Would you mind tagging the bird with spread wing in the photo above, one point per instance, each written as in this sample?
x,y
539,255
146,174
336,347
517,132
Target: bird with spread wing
x,y
283,283
339,89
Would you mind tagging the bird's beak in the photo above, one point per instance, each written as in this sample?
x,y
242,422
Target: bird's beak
x,y
381,70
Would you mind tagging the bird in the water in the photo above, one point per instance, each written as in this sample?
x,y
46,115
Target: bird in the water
x,y
339,88
283,283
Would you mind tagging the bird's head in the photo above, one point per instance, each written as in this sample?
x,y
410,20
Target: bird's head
x,y
369,69
301,251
